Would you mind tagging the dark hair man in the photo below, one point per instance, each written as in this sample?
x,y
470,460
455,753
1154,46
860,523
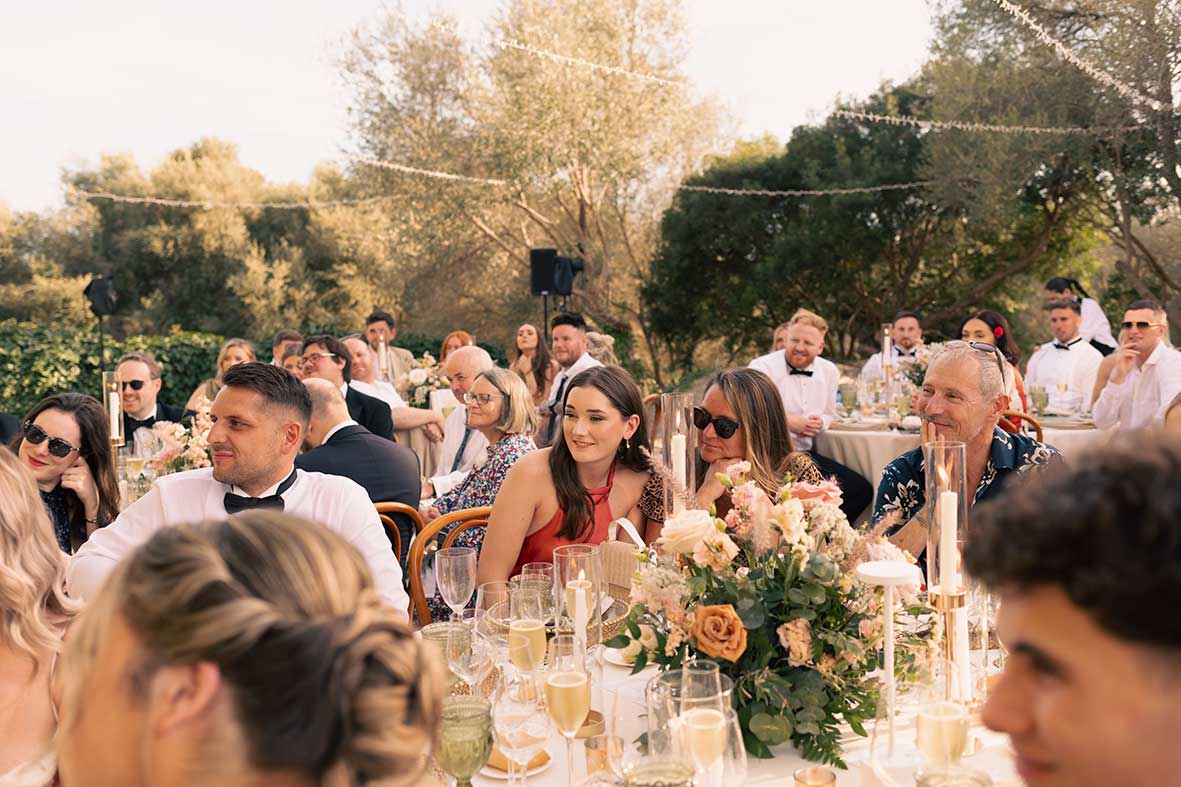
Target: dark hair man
x,y
324,356
280,342
568,334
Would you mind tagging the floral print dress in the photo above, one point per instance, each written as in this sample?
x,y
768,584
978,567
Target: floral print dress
x,y
477,490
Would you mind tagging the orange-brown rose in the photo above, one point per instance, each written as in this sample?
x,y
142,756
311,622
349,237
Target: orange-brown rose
x,y
719,632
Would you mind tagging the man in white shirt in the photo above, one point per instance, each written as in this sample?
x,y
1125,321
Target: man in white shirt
x,y
906,334
1147,375
364,379
568,333
462,445
1065,367
260,418
808,384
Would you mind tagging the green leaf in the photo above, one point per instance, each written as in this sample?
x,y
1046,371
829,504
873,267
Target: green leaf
x,y
771,730
618,641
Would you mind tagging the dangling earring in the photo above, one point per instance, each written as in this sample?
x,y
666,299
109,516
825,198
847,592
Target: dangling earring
x,y
627,446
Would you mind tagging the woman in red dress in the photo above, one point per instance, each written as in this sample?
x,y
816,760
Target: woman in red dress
x,y
597,470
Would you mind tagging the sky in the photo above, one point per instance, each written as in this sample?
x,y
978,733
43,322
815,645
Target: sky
x,y
80,78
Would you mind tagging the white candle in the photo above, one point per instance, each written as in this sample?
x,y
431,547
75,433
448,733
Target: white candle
x,y
115,415
949,580
577,605
677,447
888,659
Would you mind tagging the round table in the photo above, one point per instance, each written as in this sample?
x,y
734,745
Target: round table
x,y
868,451
992,756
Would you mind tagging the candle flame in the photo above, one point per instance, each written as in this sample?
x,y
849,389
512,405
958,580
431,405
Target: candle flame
x,y
943,476
581,575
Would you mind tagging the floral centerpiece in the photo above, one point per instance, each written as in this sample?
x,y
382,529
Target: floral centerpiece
x,y
419,382
768,593
182,447
915,368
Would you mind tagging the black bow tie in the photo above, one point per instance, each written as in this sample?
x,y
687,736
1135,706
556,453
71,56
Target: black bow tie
x,y
903,353
236,503
794,370
135,423
1068,345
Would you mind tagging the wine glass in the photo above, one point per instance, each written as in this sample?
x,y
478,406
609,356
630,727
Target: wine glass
x,y
520,722
541,585
455,574
465,738
567,692
941,732
701,685
468,651
712,741
492,602
526,628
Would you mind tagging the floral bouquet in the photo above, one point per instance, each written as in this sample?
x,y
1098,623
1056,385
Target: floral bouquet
x,y
768,593
181,447
419,382
916,369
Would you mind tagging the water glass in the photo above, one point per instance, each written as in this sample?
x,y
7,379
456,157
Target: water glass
x,y
492,602
701,685
455,575
469,653
521,722
465,738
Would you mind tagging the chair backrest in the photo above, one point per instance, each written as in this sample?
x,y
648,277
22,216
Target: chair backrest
x,y
1016,416
405,510
652,403
418,549
391,529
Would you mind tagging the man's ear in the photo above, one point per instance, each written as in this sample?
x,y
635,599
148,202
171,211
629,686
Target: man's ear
x,y
182,695
999,405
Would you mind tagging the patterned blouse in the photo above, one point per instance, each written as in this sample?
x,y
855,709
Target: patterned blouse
x,y
477,490
904,486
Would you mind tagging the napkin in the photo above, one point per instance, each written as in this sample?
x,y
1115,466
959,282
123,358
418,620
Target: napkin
x,y
498,761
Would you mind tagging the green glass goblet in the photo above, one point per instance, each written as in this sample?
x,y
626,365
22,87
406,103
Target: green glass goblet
x,y
465,738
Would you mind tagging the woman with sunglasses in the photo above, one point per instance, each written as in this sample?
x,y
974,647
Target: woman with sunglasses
x,y
989,327
65,442
741,418
501,409
599,468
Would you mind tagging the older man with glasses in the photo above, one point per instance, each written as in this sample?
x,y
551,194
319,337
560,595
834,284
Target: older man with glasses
x,y
962,399
1147,374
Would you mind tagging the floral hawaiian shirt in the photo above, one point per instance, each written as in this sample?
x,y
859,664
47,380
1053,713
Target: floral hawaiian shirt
x,y
904,484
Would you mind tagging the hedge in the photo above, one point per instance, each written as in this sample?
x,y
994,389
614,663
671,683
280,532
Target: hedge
x,y
36,360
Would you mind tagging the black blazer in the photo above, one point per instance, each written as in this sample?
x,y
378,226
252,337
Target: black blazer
x,y
164,412
370,412
388,472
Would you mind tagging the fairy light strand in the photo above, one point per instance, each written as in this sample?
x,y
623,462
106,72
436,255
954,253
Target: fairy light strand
x,y
574,61
428,173
1127,91
806,192
959,125
209,204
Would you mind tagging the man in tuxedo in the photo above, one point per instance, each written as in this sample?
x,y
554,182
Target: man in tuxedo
x,y
338,445
140,378
1068,362
906,334
326,358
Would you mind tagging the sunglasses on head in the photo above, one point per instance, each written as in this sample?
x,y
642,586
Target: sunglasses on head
x,y
57,446
135,385
1144,326
725,427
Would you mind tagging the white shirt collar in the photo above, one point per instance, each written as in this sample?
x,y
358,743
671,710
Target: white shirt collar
x,y
237,490
344,389
337,428
1154,356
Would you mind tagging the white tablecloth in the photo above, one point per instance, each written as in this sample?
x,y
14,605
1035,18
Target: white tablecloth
x,y
992,756
868,452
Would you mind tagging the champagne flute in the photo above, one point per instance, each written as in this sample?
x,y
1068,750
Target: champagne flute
x,y
465,738
520,723
713,742
941,732
542,586
469,654
567,692
526,628
455,574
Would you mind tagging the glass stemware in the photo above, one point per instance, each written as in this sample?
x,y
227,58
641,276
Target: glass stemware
x,y
455,574
526,628
521,722
465,738
468,651
492,602
567,692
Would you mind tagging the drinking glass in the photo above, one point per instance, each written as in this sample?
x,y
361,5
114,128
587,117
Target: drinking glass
x,y
941,732
455,574
659,772
567,692
1040,398
469,654
492,602
521,722
465,738
542,585
701,685
439,633
526,628
713,743
545,570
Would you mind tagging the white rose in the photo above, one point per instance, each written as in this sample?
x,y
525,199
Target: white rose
x,y
417,376
683,532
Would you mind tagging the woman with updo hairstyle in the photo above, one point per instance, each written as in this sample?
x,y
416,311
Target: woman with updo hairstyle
x,y
232,353
741,418
989,327
246,652
34,613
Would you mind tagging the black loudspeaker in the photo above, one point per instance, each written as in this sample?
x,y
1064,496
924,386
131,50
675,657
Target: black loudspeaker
x,y
101,292
542,265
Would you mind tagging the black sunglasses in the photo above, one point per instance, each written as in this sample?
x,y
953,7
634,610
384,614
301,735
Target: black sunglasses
x,y
725,427
135,385
995,352
57,446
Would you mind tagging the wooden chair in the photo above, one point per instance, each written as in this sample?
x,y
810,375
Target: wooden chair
x,y
384,510
468,518
653,401
1016,416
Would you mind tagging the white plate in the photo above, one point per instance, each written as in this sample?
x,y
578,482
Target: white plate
x,y
492,773
615,656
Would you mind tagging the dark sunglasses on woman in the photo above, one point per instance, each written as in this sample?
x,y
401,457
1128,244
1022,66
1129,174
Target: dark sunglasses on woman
x,y
725,427
57,446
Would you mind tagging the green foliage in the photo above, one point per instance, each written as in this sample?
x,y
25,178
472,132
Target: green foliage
x,y
36,360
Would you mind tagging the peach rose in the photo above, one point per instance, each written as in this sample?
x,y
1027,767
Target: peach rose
x,y
810,494
719,632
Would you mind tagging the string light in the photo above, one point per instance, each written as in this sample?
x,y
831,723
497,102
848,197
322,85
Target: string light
x,y
429,173
1124,90
192,203
806,192
574,61
957,125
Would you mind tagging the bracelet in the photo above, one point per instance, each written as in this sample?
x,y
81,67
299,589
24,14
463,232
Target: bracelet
x,y
90,521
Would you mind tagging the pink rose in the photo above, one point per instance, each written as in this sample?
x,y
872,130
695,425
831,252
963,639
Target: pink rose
x,y
870,629
810,494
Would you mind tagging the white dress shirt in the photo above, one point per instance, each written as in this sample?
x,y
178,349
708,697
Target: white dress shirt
x,y
1095,325
338,503
873,367
584,362
1144,397
1074,367
803,395
380,390
477,445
